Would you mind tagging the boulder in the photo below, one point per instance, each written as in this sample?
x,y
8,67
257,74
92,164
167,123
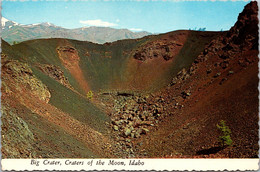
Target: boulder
x,y
209,71
185,94
145,130
217,75
127,131
230,72
115,128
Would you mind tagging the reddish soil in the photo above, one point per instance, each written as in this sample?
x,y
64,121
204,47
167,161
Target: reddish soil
x,y
148,76
17,89
70,59
221,84
193,128
158,55
94,140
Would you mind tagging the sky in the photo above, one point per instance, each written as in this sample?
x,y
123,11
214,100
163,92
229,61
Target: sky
x,y
153,16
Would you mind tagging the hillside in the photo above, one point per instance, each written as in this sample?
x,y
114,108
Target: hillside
x,y
156,96
13,31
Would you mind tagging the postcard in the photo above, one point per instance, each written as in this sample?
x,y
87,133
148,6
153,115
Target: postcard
x,y
129,85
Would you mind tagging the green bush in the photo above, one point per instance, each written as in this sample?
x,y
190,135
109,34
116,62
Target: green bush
x,y
90,95
225,138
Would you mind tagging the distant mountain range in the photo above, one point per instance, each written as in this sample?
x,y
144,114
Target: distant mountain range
x,y
12,31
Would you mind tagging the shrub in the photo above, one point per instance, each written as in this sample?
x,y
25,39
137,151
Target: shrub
x,y
90,95
225,138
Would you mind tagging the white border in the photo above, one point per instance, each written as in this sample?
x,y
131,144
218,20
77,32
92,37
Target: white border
x,y
148,164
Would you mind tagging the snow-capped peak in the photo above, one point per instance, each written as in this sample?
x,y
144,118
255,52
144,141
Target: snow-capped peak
x,y
85,27
31,25
47,24
7,24
4,21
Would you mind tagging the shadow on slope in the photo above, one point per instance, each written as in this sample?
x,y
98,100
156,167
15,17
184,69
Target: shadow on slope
x,y
74,104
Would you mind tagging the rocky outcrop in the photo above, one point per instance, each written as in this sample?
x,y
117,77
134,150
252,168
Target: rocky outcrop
x,y
66,49
56,73
182,75
245,31
166,48
21,77
68,55
17,139
227,49
242,36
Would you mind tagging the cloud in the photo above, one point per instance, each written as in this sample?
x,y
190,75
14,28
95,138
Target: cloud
x,y
97,22
136,29
117,20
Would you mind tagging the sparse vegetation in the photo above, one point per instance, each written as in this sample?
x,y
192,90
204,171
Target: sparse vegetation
x,y
90,95
225,138
15,42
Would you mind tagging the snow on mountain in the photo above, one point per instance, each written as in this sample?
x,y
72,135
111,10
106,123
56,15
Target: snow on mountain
x,y
8,23
31,25
3,21
23,32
